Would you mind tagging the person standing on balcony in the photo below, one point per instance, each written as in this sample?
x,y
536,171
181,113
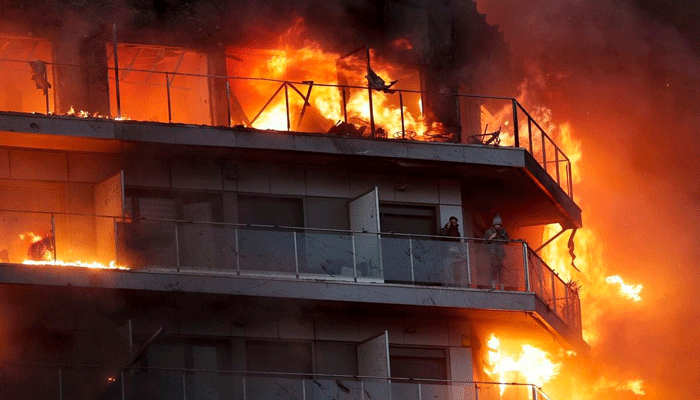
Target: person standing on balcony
x,y
451,228
496,235
453,261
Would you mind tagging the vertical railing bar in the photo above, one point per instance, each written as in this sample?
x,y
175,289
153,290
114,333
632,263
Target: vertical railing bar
x,y
286,101
60,384
116,246
167,90
476,391
410,254
116,71
296,254
544,151
121,378
228,102
184,387
177,246
554,291
534,393
529,133
571,183
53,238
354,256
516,132
362,390
420,394
345,106
403,126
245,389
556,163
238,256
526,263
469,268
369,90
303,388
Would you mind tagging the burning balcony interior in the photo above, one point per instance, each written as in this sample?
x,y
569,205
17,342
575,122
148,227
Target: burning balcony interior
x,y
242,170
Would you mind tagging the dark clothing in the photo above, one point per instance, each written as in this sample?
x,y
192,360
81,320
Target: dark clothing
x,y
497,254
450,230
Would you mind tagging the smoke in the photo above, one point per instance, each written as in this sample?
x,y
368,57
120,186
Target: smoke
x,y
628,84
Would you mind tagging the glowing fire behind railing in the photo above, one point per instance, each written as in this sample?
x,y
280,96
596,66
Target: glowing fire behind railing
x,y
41,251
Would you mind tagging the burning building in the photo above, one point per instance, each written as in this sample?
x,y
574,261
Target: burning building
x,y
254,210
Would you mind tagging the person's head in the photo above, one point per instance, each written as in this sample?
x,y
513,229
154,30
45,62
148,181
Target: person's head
x,y
497,221
453,221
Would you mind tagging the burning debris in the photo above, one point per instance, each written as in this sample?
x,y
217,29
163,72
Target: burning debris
x,y
41,248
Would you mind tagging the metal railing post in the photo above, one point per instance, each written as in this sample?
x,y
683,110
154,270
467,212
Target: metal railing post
x,y
167,91
369,92
296,254
53,237
476,391
238,253
116,241
121,378
228,102
469,268
303,388
529,133
60,384
362,390
410,254
516,132
535,395
556,163
403,126
420,394
184,387
354,256
345,106
116,71
245,389
526,263
177,246
544,151
286,101
554,291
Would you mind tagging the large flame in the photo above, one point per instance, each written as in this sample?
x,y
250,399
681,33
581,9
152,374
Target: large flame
x,y
530,365
308,61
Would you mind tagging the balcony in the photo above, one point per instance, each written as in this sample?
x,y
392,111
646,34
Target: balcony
x,y
38,381
170,94
385,268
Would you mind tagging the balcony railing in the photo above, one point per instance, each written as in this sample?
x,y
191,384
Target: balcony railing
x,y
45,381
302,253
175,96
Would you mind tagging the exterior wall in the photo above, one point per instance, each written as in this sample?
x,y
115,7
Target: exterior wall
x,y
290,180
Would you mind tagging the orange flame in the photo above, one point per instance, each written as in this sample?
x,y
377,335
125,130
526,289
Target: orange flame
x,y
532,365
48,257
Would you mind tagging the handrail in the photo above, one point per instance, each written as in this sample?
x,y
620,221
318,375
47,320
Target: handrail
x,y
531,276
124,384
567,186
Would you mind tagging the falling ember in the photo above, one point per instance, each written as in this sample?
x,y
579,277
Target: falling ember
x,y
532,365
626,290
